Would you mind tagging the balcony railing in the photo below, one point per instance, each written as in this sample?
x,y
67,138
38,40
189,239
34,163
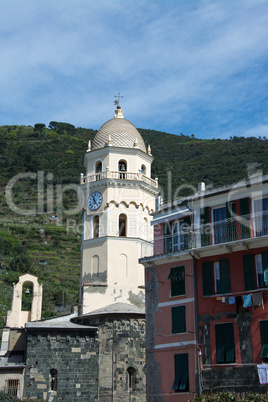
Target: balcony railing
x,y
243,227
117,175
221,232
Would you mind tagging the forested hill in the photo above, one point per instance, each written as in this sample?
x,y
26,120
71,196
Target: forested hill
x,y
216,162
60,149
39,244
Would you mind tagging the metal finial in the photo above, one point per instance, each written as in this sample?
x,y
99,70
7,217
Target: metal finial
x,y
118,96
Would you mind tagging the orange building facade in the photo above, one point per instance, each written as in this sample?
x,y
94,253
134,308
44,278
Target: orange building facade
x,y
207,293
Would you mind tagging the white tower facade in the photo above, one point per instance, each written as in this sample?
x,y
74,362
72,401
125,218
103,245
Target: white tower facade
x,y
118,198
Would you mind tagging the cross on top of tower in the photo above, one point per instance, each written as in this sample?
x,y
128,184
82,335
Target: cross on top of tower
x,y
118,96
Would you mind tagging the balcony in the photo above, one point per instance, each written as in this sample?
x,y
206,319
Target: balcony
x,y
168,244
222,232
244,227
117,175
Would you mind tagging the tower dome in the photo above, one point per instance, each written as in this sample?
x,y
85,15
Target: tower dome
x,y
118,132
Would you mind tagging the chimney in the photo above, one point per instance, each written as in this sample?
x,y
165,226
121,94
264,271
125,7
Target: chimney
x,y
201,186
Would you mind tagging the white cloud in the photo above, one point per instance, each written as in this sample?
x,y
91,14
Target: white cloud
x,y
195,66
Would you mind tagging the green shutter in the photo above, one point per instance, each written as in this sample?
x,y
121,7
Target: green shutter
x,y
207,278
225,282
231,221
244,212
167,238
178,372
178,319
174,272
244,206
264,332
264,351
225,347
185,372
181,372
205,228
177,276
220,343
264,257
229,343
248,264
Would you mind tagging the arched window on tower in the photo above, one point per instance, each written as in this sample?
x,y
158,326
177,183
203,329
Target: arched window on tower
x,y
96,226
53,376
122,167
98,170
131,378
143,169
122,225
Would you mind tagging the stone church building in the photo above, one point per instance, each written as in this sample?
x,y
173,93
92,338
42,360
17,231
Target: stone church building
x,y
98,354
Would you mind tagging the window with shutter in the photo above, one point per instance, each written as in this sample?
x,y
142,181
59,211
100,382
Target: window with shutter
x,y
217,277
264,339
177,277
261,217
225,282
178,319
222,281
220,225
261,263
205,227
207,278
225,346
248,265
245,218
181,368
264,257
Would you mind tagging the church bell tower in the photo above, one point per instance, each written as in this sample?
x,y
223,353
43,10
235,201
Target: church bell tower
x,y
118,198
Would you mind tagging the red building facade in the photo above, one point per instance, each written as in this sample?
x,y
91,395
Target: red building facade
x,y
207,292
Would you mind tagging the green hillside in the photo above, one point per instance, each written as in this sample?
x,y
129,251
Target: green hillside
x,y
50,249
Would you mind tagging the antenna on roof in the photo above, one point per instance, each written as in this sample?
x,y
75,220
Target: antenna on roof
x,y
118,96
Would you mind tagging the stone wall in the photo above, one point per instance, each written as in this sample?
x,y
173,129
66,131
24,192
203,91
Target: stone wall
x,y
110,367
122,374
241,377
238,379
73,353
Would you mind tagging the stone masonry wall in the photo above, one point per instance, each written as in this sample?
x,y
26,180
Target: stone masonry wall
x,y
228,377
74,354
121,351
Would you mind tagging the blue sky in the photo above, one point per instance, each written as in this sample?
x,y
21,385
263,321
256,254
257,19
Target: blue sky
x,y
190,66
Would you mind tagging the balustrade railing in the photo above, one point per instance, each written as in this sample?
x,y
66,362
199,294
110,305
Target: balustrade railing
x,y
117,175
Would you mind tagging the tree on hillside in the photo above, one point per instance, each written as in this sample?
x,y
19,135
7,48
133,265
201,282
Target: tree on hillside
x,y
39,127
60,127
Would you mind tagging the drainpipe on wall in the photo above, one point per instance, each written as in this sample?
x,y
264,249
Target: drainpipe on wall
x,y
199,391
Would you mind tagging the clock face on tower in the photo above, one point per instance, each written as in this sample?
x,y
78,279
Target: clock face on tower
x,y
94,201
